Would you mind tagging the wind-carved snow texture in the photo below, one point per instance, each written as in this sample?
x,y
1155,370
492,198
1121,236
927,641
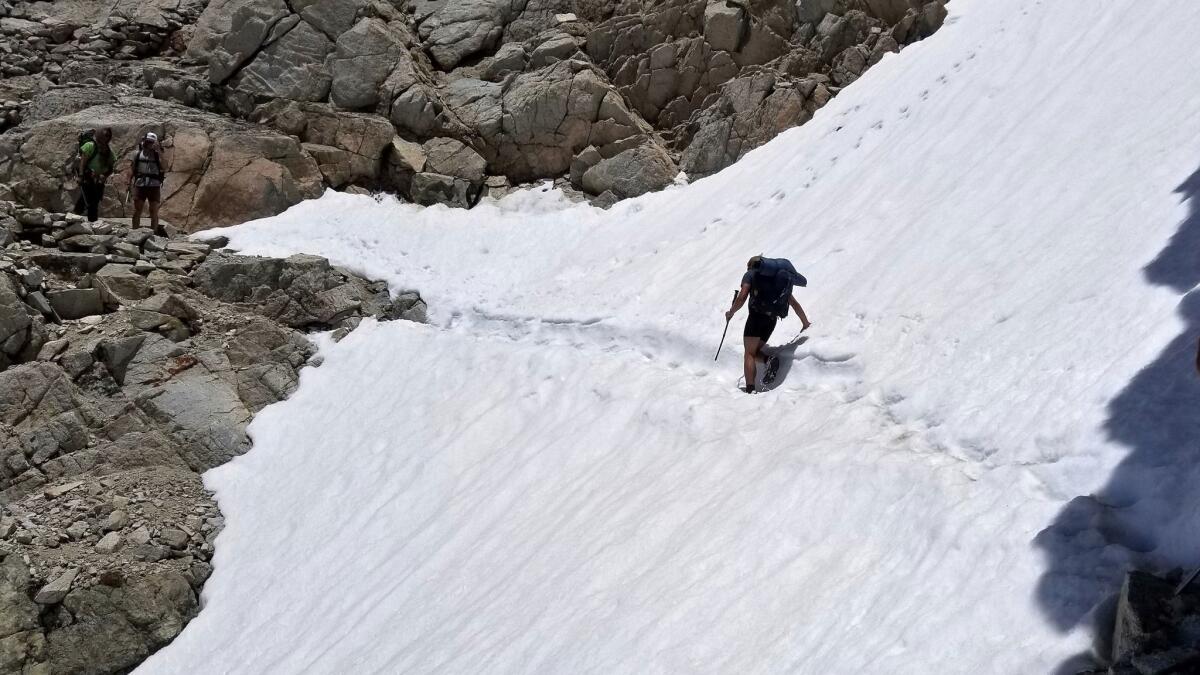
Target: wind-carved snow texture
x,y
555,477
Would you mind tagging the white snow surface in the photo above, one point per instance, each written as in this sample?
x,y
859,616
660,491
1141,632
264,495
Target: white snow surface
x,y
554,476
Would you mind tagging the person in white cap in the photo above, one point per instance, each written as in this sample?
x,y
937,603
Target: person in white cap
x,y
146,176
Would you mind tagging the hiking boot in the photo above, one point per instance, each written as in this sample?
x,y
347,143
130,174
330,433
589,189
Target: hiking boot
x,y
749,389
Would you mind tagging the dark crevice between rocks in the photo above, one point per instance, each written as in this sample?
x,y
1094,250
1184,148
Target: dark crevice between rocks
x,y
1138,519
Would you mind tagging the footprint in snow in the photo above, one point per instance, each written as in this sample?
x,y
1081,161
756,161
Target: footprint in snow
x,y
831,355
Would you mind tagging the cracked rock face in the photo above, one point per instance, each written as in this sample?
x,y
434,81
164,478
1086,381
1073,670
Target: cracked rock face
x,y
108,418
336,93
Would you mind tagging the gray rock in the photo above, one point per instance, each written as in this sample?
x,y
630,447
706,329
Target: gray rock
x,y
78,530
115,629
509,58
348,147
890,11
433,188
332,17
51,350
54,592
1143,610
726,25
21,333
109,544
364,58
933,15
300,292
176,539
56,491
120,285
200,572
211,27
149,552
293,67
140,537
457,30
75,263
849,65
450,157
550,114
1177,659
76,303
204,412
404,160
631,173
557,48
17,612
417,110
478,104
750,111
75,363
32,278
252,24
169,304
117,353
812,11
117,520
84,243
41,305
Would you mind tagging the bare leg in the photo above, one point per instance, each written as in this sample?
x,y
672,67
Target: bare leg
x,y
752,344
137,212
154,217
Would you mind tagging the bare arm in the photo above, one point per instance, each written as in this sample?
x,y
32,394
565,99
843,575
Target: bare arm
x,y
738,301
795,304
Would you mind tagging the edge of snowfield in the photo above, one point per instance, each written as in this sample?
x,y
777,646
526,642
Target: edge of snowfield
x,y
555,477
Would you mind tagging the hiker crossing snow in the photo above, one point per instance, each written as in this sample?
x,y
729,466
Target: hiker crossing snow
x,y
767,284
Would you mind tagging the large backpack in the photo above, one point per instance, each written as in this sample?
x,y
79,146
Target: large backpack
x,y
71,166
142,176
772,286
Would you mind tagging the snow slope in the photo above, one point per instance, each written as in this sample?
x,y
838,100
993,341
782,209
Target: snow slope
x,y
555,477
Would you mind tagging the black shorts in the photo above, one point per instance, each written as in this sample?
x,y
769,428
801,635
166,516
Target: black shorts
x,y
760,325
150,194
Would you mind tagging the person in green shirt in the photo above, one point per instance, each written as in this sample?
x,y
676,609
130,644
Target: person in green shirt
x,y
96,163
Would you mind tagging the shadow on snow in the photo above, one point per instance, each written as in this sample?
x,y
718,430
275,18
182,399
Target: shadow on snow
x,y
787,356
1145,515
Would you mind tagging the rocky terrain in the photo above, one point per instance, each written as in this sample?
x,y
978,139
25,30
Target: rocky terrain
x,y
262,103
1157,626
130,363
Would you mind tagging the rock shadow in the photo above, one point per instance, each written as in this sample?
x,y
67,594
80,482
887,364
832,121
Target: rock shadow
x,y
1145,515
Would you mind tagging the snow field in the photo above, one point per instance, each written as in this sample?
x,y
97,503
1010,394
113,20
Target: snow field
x,y
555,477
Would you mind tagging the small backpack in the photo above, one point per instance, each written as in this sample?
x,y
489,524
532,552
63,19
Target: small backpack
x,y
772,285
71,166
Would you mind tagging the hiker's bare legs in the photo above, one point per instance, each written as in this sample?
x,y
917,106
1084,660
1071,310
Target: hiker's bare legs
x,y
752,344
137,211
154,218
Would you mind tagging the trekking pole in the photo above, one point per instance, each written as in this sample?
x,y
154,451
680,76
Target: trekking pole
x,y
726,331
